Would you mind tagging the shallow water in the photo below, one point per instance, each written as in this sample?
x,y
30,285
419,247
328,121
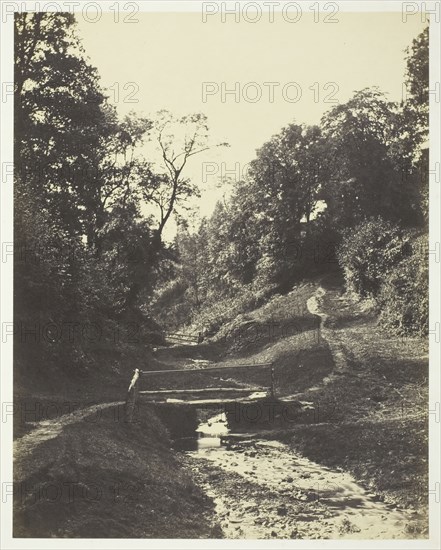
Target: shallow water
x,y
207,435
262,489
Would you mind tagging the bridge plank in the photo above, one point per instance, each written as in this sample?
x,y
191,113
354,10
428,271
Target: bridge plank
x,y
217,402
206,369
204,390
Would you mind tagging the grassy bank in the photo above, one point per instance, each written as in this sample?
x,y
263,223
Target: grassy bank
x,y
103,477
389,457
50,390
282,332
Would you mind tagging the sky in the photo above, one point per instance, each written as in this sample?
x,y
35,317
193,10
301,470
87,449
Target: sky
x,y
168,61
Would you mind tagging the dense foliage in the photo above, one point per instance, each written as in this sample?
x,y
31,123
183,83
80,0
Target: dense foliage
x,y
368,252
382,261
91,268
355,187
87,247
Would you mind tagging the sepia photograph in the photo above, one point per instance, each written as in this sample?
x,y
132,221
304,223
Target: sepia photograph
x,y
219,225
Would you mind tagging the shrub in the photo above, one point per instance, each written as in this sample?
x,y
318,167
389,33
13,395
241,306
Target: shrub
x,y
404,296
368,252
383,261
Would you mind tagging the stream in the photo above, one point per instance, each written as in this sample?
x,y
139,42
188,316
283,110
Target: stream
x,y
262,489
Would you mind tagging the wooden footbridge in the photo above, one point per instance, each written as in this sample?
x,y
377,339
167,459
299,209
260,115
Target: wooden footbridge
x,y
205,396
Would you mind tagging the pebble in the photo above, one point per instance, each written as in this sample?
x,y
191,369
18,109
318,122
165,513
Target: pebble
x,y
236,520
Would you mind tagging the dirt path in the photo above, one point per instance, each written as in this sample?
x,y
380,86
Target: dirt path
x,y
363,351
338,351
313,305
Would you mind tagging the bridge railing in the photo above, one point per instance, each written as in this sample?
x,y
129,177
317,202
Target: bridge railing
x,y
133,391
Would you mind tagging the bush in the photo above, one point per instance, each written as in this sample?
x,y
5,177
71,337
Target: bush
x,y
368,252
404,296
382,261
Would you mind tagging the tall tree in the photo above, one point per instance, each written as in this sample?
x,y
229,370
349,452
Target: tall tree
x,y
61,118
179,139
288,176
365,181
411,148
416,100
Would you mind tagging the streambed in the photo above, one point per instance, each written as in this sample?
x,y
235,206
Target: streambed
x,y
262,489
